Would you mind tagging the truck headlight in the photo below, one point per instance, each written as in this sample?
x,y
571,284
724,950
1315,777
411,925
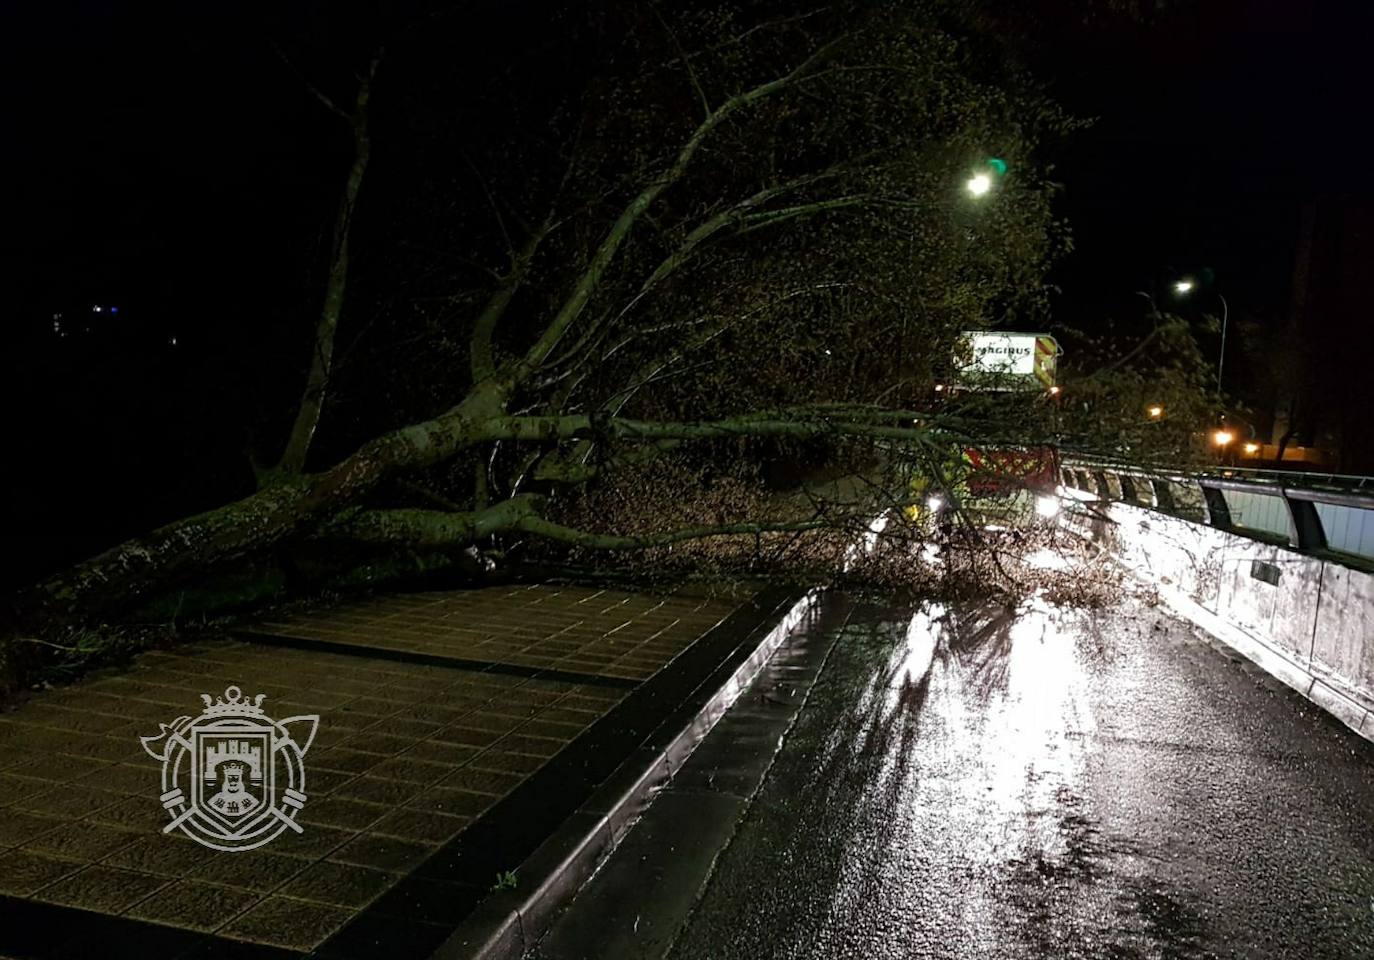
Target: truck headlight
x,y
1047,506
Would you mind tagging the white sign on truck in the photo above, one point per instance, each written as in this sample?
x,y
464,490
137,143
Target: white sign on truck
x,y
1006,360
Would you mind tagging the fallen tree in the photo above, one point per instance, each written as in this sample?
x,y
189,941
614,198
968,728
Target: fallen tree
x,y
752,230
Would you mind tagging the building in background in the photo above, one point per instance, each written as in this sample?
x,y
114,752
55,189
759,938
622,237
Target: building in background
x,y
1319,361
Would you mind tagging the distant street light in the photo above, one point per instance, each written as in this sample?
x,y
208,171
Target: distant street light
x,y
979,184
1185,286
1223,437
1252,448
1155,411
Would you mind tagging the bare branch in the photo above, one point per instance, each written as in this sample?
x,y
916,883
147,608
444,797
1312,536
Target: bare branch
x,y
315,91
326,328
483,360
591,277
691,71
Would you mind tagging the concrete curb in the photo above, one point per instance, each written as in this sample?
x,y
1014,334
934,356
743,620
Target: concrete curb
x,y
507,923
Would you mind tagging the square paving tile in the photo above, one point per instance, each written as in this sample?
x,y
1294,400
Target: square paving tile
x,y
261,870
170,855
384,790
420,826
17,826
68,800
382,853
194,905
23,872
482,781
461,803
101,888
14,791
338,884
287,923
337,811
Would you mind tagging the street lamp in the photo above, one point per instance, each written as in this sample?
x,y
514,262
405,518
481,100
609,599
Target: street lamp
x,y
1155,411
1223,437
982,180
1184,287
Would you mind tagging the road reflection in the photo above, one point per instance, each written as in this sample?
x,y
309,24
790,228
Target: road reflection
x,y
986,797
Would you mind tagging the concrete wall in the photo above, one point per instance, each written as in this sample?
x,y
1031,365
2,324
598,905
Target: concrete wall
x,y
1314,628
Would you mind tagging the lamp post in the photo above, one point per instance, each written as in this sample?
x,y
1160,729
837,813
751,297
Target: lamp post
x,y
1184,287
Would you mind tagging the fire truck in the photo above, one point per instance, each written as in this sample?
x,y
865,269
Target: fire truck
x,y
1003,484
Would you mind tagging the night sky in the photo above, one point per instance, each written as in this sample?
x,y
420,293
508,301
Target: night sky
x,y
1213,126
163,161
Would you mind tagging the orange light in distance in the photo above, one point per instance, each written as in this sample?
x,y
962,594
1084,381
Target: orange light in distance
x,y
1155,411
1252,448
1222,437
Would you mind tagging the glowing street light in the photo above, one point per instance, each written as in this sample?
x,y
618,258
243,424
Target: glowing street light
x,y
1184,287
1155,411
1252,448
978,184
1223,437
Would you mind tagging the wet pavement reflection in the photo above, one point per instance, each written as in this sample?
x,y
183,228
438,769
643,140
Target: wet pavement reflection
x,y
1031,781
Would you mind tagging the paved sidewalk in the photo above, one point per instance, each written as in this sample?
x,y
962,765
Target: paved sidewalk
x,y
435,709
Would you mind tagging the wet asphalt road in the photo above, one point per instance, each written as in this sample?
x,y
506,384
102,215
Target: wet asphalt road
x,y
986,782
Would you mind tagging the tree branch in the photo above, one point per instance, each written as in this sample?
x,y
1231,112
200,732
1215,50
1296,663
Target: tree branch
x,y
482,353
326,329
315,91
429,528
604,541
591,277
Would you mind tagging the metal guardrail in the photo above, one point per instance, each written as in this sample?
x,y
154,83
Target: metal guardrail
x,y
1289,478
1314,513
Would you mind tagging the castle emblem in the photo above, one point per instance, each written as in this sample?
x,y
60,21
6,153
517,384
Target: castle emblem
x,y
233,778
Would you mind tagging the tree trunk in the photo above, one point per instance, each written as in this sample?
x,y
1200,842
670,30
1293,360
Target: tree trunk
x,y
288,507
322,355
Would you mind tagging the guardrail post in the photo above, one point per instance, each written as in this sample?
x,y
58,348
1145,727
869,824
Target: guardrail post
x,y
1104,489
1218,513
1127,488
1304,524
1164,495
